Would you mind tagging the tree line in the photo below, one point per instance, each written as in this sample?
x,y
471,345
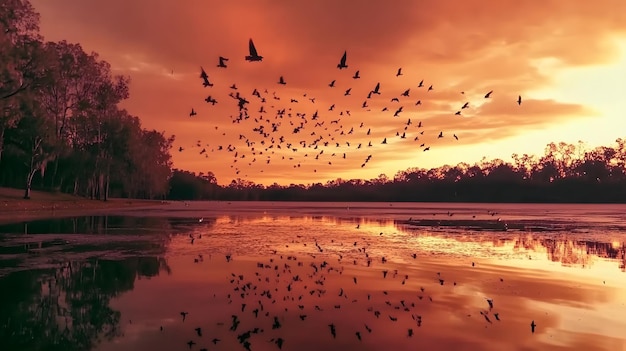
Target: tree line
x,y
61,127
566,173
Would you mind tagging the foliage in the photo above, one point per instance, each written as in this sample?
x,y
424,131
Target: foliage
x,y
60,124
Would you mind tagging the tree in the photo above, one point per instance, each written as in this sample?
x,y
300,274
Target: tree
x,y
72,82
33,138
19,32
20,59
97,132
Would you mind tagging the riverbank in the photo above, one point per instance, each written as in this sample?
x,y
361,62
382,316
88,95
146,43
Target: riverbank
x,y
14,208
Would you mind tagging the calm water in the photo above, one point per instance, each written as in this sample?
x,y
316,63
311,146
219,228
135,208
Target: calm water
x,y
253,275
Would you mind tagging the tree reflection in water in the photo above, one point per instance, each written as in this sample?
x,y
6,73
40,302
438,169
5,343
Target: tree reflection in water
x,y
67,308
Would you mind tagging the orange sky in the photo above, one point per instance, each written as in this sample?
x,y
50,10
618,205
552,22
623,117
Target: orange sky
x,y
566,58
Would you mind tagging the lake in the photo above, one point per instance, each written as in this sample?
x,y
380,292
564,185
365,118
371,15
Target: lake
x,y
318,276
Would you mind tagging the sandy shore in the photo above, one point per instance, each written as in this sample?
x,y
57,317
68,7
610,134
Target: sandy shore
x,y
14,210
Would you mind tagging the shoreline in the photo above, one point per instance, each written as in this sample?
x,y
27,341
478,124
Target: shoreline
x,y
14,210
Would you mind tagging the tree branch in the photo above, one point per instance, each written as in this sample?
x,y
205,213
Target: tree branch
x,y
17,91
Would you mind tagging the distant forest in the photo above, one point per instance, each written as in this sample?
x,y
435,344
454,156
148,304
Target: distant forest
x,y
565,173
61,129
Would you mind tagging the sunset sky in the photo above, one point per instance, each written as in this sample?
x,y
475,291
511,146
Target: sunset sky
x,y
566,58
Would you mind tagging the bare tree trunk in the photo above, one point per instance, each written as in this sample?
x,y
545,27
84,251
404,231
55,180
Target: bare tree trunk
x,y
75,192
54,173
107,182
90,187
29,181
2,129
101,195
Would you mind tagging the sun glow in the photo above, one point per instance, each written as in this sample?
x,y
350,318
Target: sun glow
x,y
600,88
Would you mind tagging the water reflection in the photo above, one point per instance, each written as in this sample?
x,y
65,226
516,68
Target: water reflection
x,y
99,225
62,286
306,299
119,235
68,307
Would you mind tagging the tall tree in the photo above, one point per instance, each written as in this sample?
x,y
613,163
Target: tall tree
x,y
20,63
33,138
73,78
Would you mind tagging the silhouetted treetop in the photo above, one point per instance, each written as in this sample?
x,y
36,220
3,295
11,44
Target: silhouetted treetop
x,y
565,173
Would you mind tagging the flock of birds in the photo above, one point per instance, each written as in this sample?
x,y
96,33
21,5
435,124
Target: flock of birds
x,y
284,289
294,134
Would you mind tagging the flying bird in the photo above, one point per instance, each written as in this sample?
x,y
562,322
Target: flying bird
x,y
488,95
376,89
222,63
342,62
205,78
333,330
254,56
519,99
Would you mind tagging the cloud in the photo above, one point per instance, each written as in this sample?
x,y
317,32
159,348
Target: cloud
x,y
462,49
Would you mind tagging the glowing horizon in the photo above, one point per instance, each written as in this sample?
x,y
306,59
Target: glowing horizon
x,y
563,60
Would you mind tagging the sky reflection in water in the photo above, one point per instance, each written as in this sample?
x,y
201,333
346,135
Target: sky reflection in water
x,y
115,290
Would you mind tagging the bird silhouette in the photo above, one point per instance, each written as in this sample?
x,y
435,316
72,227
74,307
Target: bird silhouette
x,y
253,55
279,342
205,78
222,63
342,62
376,89
333,331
